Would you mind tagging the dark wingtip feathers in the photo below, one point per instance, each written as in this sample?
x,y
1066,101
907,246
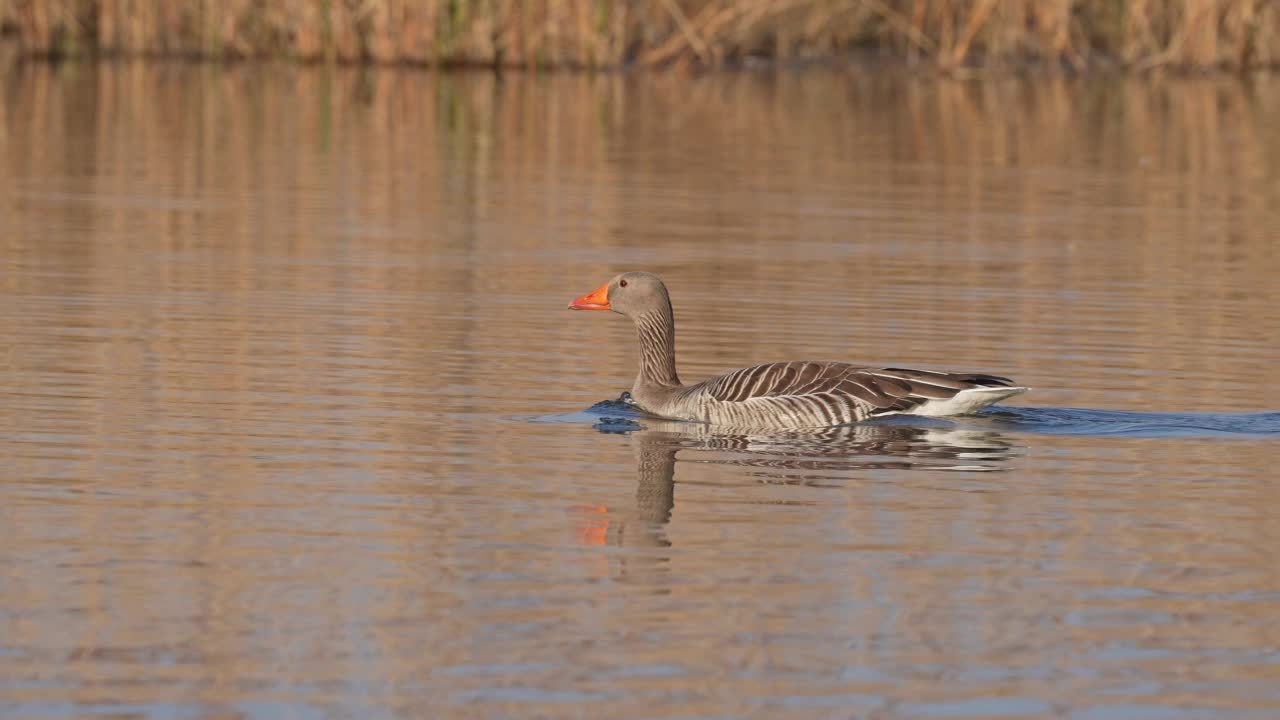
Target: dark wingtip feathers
x,y
989,380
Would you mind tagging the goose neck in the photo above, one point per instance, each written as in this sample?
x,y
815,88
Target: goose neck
x,y
656,330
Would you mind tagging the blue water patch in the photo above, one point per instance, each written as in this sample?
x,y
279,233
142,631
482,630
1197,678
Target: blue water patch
x,y
1123,423
606,416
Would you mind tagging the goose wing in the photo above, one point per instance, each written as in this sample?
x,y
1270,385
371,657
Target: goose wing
x,y
838,392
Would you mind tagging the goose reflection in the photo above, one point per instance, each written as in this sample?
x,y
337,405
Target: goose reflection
x,y
828,453
831,456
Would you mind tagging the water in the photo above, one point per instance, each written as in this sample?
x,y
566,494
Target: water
x,y
295,423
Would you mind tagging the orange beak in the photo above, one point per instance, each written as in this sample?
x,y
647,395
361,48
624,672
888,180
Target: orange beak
x,y
597,299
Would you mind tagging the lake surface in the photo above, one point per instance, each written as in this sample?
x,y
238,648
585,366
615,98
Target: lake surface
x,y
295,423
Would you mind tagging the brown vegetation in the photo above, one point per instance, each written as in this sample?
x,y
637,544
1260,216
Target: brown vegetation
x,y
1200,34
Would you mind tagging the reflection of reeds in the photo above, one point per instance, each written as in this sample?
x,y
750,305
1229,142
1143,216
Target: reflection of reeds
x,y
604,33
1156,189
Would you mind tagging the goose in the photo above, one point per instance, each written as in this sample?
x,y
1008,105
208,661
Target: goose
x,y
782,395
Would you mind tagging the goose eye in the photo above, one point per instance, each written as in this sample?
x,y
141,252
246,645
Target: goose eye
x,y
622,283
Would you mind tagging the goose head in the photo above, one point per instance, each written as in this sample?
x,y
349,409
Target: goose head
x,y
629,294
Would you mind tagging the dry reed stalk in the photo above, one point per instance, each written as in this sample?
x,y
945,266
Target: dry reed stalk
x,y
609,33
975,20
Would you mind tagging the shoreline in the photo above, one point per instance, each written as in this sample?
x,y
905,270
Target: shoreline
x,y
942,36
864,61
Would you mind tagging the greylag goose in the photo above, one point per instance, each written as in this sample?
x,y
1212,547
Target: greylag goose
x,y
785,395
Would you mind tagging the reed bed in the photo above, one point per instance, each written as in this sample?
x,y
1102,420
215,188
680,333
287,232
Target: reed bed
x,y
949,34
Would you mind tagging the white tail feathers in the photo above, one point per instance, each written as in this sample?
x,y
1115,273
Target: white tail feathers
x,y
966,401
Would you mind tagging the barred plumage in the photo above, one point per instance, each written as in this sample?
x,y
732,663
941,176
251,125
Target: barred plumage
x,y
777,395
